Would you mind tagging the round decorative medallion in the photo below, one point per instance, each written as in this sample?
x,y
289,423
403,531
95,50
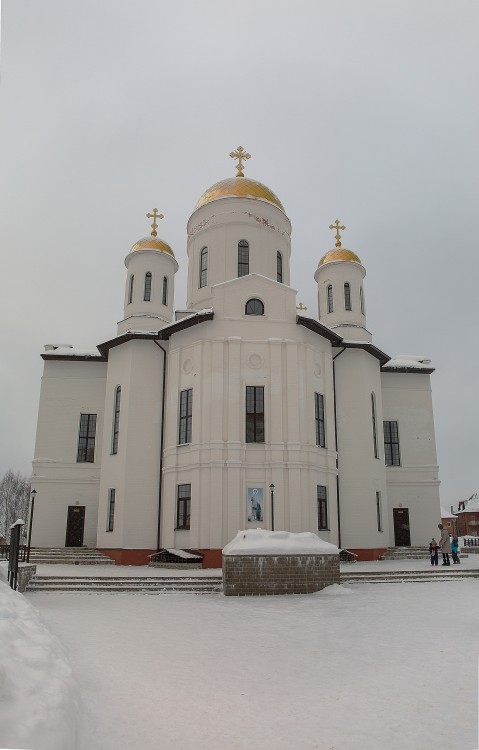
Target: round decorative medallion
x,y
255,361
187,365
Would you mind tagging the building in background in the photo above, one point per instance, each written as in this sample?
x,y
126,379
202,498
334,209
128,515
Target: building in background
x,y
163,436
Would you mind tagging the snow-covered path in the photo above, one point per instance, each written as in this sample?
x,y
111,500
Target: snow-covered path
x,y
374,666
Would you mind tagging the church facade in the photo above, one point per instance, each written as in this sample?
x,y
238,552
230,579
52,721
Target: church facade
x,y
238,411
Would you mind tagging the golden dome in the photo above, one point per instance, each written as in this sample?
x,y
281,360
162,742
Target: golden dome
x,y
339,253
152,243
239,187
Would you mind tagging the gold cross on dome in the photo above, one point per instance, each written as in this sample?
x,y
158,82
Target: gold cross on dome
x,y
337,227
240,154
155,215
301,307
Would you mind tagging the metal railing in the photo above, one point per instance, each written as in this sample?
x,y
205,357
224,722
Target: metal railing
x,y
471,542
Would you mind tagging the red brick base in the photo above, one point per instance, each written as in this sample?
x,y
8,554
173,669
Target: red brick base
x,y
365,555
211,557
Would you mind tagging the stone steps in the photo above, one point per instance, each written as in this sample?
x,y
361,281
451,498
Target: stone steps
x,y
126,585
409,576
69,556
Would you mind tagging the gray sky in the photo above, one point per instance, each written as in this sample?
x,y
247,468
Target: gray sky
x,y
363,111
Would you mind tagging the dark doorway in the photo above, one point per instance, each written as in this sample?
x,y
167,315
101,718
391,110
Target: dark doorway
x,y
402,533
75,525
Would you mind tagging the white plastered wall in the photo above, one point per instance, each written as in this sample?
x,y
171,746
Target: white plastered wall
x,y
218,359
69,388
414,484
361,474
137,366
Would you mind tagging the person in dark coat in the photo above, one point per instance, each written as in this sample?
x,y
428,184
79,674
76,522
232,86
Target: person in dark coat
x,y
434,552
444,544
455,550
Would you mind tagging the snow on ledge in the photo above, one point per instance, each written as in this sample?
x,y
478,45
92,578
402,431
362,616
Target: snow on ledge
x,y
265,542
409,361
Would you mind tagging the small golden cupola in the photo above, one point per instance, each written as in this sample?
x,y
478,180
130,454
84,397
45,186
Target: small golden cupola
x,y
153,242
151,267
339,277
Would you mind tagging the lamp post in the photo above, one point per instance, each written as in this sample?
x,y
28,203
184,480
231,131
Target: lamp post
x,y
32,508
271,489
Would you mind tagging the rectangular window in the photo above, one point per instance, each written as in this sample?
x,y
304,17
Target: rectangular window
x,y
319,418
254,414
116,421
183,506
164,297
330,298
186,416
243,258
204,267
86,439
391,444
379,512
347,296
147,291
375,432
111,510
322,495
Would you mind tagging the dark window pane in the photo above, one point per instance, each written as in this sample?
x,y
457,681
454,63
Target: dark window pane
x,y
243,258
347,297
279,267
254,414
391,443
147,294
330,298
254,307
86,438
204,267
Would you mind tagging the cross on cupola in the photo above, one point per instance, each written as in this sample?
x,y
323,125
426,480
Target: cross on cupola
x,y
155,215
337,227
240,154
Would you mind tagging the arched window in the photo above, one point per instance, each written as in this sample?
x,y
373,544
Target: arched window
x,y
254,307
330,298
204,267
164,297
347,296
147,293
243,258
130,289
279,267
361,299
116,420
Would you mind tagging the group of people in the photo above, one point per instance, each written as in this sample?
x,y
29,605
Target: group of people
x,y
447,547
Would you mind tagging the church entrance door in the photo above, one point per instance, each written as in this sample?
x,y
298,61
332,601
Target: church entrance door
x,y
402,532
75,525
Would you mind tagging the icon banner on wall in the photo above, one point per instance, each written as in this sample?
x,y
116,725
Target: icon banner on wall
x,y
255,504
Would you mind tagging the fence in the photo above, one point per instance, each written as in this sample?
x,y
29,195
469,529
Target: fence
x,y
471,542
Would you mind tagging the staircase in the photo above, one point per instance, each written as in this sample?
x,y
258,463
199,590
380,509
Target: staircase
x,y
126,585
409,576
407,553
69,556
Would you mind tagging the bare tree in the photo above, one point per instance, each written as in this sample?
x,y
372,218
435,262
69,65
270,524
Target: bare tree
x,y
14,499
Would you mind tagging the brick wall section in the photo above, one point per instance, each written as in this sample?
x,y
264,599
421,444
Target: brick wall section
x,y
266,575
25,573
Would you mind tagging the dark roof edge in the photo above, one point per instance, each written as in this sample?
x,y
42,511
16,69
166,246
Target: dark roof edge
x,y
73,357
369,348
416,370
164,334
181,325
320,329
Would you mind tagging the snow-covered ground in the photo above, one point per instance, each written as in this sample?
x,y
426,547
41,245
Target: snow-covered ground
x,y
370,666
39,706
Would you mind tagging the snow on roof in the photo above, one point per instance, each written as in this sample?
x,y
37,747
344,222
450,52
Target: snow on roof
x,y
182,553
70,351
409,361
445,513
472,504
265,542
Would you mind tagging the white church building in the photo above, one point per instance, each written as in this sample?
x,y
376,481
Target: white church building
x,y
238,411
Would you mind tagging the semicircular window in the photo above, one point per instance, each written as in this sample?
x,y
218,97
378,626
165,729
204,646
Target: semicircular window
x,y
254,307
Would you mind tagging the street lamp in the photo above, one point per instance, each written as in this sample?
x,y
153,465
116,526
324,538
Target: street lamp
x,y
271,489
32,508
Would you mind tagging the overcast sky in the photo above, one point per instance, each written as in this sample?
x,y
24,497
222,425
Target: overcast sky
x,y
363,111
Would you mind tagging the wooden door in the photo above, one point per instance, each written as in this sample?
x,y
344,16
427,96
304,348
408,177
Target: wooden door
x,y
75,526
402,533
